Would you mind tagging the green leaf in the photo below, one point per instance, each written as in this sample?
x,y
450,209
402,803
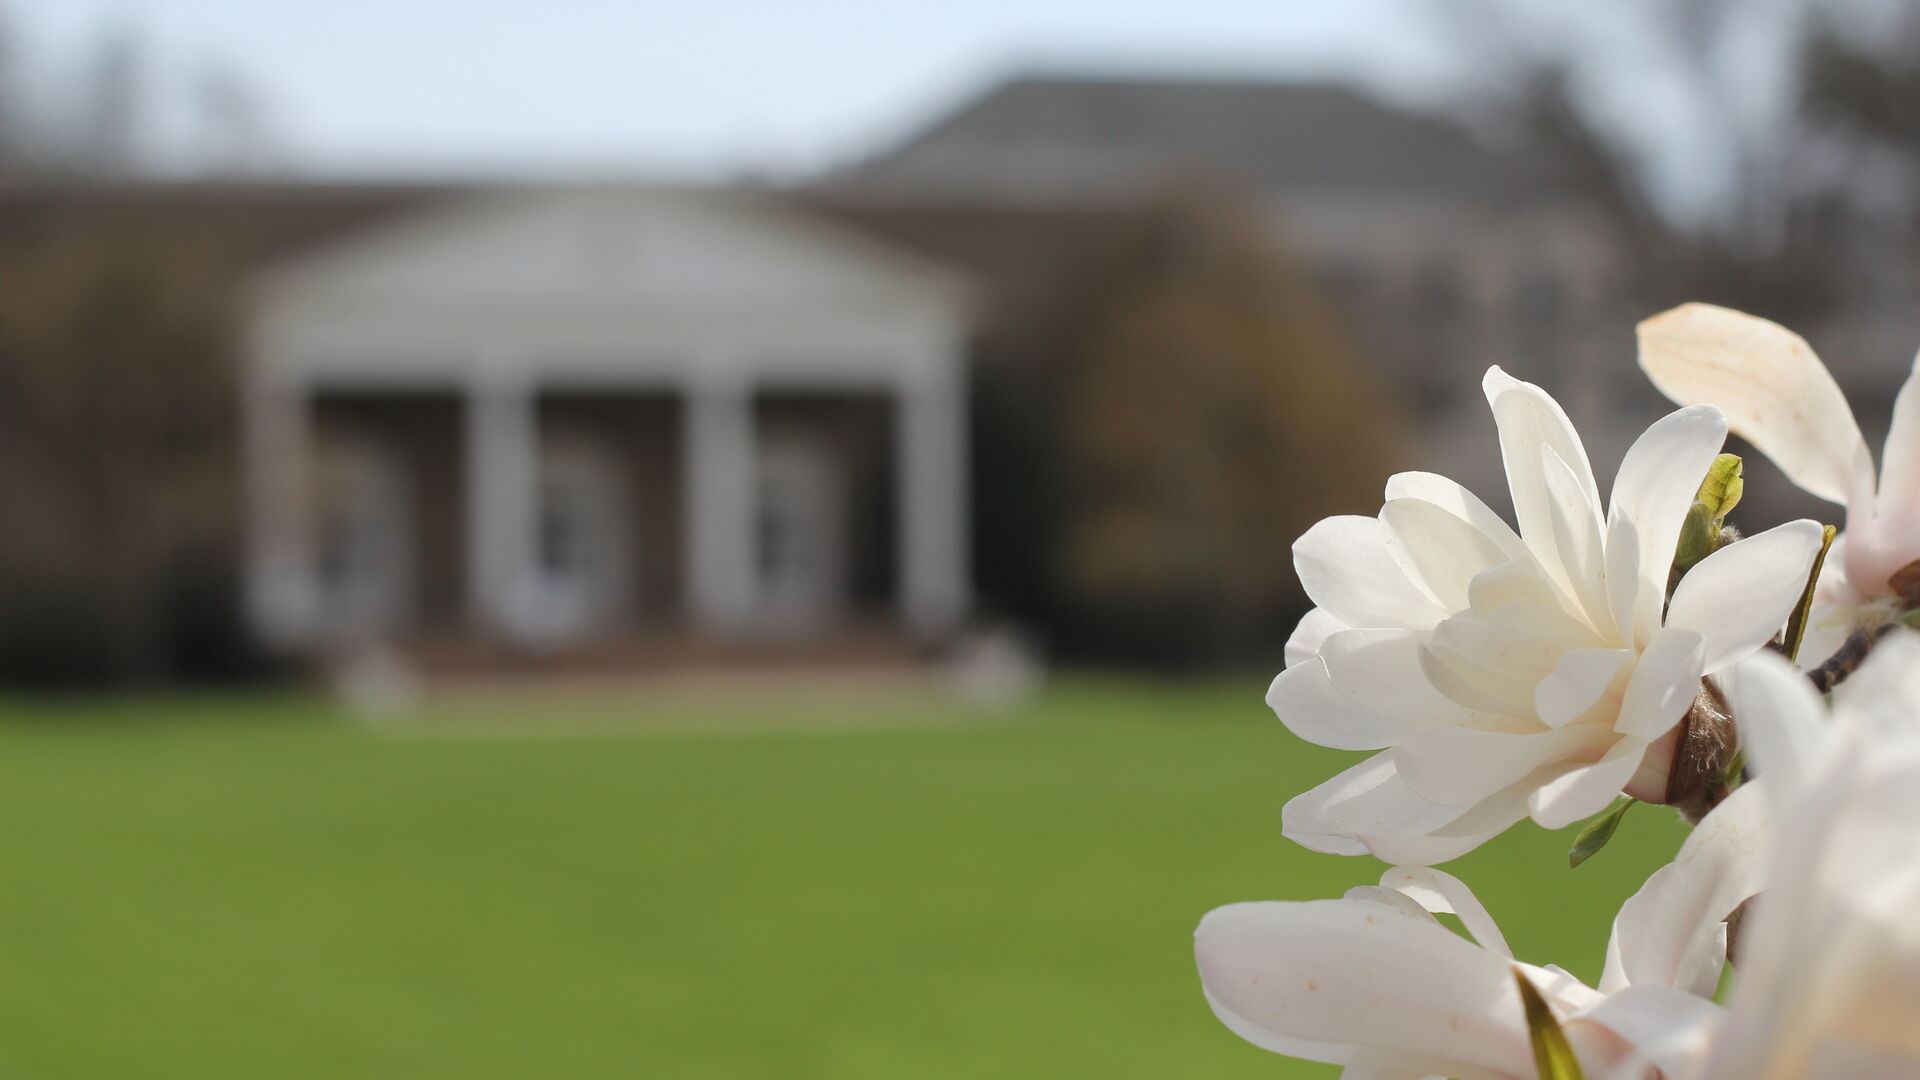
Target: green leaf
x,y
1597,833
1552,1056
1797,622
1719,493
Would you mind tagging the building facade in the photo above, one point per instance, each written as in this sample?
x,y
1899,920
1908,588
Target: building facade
x,y
543,417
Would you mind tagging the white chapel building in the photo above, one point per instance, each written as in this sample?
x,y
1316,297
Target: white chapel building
x,y
541,418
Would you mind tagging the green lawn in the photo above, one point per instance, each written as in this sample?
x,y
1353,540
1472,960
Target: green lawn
x,y
258,888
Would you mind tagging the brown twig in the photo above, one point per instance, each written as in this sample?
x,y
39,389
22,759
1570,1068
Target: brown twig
x,y
1852,653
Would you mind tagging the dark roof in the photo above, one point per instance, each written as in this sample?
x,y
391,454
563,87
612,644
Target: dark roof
x,y
1084,139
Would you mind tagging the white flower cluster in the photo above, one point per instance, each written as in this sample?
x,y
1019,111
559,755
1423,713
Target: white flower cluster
x,y
1544,671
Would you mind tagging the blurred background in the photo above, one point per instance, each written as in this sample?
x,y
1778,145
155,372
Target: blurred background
x,y
746,540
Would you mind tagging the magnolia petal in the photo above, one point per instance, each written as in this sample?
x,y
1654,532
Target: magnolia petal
x,y
1345,567
1305,700
1373,1064
1659,1026
1520,581
1368,798
1461,503
1782,720
1363,975
1653,491
1530,421
1473,685
1880,698
1672,932
1577,535
1270,1040
1897,507
1313,629
1579,681
1739,597
1457,766
1393,898
1438,550
1439,891
1776,393
1625,586
1588,789
1663,685
1854,1061
1487,819
1380,670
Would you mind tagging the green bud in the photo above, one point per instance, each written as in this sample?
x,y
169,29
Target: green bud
x,y
1702,532
1597,832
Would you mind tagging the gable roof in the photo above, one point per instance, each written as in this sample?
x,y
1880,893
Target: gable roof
x,y
1060,139
613,244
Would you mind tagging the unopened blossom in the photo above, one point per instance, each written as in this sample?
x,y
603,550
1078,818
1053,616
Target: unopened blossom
x,y
1781,398
1374,982
1508,673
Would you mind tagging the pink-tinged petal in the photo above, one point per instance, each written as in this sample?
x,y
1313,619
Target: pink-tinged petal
x,y
1739,597
1267,1039
1457,766
1672,932
1588,789
1439,551
1307,636
1897,508
1776,393
1439,891
1530,421
1345,567
1380,670
1305,700
1783,724
1382,1065
1855,1061
1582,680
1663,685
1363,975
1654,1025
1461,503
1368,798
1653,491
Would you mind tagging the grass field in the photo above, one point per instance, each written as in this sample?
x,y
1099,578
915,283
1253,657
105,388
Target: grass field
x,y
256,887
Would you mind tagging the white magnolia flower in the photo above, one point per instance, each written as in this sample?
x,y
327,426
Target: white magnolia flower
x,y
1374,982
1829,970
1513,673
1781,398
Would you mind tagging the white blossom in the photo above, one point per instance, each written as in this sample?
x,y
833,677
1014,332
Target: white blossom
x,y
1510,673
1374,982
1829,971
1781,398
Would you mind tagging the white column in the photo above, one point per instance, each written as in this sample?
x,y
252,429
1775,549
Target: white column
x,y
282,592
502,498
931,453
718,459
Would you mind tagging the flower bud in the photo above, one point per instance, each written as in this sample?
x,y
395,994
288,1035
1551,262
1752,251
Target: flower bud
x,y
1686,768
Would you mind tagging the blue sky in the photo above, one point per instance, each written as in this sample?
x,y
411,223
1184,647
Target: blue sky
x,y
384,86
